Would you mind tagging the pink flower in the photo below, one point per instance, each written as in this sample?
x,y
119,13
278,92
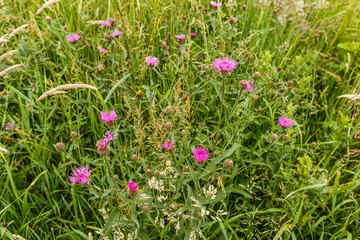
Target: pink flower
x,y
132,186
193,35
107,37
152,61
108,117
109,136
80,175
285,121
224,65
10,125
200,154
108,24
101,144
167,145
164,44
73,37
116,34
250,86
185,97
216,4
102,50
180,37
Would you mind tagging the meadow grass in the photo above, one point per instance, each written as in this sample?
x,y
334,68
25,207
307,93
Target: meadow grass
x,y
300,182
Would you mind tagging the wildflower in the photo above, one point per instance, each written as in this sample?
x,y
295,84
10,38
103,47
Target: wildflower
x,y
60,147
152,61
183,132
108,118
167,145
116,34
109,23
148,172
73,37
243,85
286,137
109,136
102,148
146,209
80,175
185,97
133,189
73,134
216,4
224,65
186,169
168,110
250,86
102,50
256,75
233,21
193,35
48,19
168,125
274,137
181,38
285,121
164,45
138,94
313,144
210,192
157,173
228,163
10,125
200,154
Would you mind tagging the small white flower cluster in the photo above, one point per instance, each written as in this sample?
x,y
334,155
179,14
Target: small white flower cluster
x,y
231,4
156,184
210,192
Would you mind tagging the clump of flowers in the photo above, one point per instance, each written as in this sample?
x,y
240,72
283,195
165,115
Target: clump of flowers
x,y
285,121
224,65
108,118
216,5
181,38
167,145
152,61
250,86
80,175
200,155
73,37
133,187
10,125
109,23
116,34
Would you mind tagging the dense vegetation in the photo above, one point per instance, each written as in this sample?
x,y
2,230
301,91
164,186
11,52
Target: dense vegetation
x,y
195,145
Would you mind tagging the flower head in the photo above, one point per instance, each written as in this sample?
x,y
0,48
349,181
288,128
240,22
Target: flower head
x,y
109,23
116,34
80,175
132,186
216,4
285,121
164,44
10,125
200,154
180,37
102,50
73,37
167,145
102,144
108,117
193,35
250,86
224,65
109,136
152,61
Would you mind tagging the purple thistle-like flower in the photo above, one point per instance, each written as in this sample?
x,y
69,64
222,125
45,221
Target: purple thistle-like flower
x,y
10,125
193,35
200,154
73,37
80,175
180,37
164,44
285,121
108,117
152,61
216,4
167,145
108,24
116,34
109,136
224,65
102,50
132,186
101,144
250,86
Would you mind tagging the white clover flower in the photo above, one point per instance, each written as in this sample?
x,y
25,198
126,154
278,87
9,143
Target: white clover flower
x,y
211,192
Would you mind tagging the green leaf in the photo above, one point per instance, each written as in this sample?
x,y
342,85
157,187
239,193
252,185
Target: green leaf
x,y
115,86
349,46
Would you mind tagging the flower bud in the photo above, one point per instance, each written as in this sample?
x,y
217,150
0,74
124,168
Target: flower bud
x,y
286,137
116,177
243,84
161,158
168,126
313,144
157,173
169,110
183,132
274,137
146,209
4,224
243,7
60,147
138,94
256,75
228,163
186,169
148,172
290,83
48,19
73,134
278,69
134,157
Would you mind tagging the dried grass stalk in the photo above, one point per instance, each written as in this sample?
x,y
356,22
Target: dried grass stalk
x,y
46,5
4,39
94,22
34,26
3,149
56,90
5,55
19,29
10,68
350,96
